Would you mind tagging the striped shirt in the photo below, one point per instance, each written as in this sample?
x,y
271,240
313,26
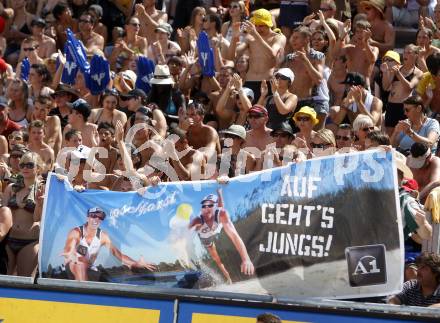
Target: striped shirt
x,y
412,295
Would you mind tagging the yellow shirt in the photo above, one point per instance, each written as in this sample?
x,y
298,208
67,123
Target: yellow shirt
x,y
424,82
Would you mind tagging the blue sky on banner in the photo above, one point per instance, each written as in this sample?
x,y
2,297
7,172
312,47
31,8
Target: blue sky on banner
x,y
152,228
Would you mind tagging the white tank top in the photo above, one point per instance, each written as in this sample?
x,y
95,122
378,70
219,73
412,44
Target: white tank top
x,y
89,251
207,233
368,103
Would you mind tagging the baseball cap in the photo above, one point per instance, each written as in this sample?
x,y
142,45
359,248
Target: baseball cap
x,y
282,127
235,130
410,185
418,155
38,22
165,28
249,93
258,109
287,72
82,107
262,17
354,78
135,93
210,197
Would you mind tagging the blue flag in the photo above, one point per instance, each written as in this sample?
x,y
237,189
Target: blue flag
x,y
78,51
99,76
25,69
206,55
145,72
70,68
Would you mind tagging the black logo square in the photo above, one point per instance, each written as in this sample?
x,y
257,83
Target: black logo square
x,y
366,265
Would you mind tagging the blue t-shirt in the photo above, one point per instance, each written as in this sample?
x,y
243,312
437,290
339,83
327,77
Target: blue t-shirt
x,y
405,142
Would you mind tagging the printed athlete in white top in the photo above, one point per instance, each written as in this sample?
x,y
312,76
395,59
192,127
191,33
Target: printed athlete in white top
x,y
210,223
84,242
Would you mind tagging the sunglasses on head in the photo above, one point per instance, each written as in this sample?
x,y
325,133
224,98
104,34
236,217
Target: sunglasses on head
x,y
29,165
99,216
343,138
204,206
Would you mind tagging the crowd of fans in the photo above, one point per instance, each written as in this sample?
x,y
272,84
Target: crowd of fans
x,y
290,81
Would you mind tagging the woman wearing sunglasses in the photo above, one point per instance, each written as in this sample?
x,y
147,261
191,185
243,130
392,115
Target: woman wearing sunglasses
x,y
323,143
24,200
305,119
362,126
281,104
109,112
237,13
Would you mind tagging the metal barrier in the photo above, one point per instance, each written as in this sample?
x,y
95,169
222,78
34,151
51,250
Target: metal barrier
x,y
179,305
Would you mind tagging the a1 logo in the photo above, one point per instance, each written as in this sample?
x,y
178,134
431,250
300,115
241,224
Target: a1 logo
x,y
366,265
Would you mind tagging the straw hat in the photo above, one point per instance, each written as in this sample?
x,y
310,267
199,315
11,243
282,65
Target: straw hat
x,y
379,5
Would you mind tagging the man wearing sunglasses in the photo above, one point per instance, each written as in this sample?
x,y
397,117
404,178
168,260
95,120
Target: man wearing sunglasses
x,y
29,50
83,244
208,226
89,38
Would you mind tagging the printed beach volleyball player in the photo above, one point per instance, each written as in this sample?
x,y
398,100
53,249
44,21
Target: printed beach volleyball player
x,y
84,242
208,225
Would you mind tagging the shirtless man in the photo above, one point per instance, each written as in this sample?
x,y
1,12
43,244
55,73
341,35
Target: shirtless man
x,y
199,135
64,20
46,45
150,19
78,121
259,136
337,76
424,166
212,26
265,47
360,53
382,32
52,126
37,145
328,9
89,38
106,138
307,65
84,242
29,49
191,165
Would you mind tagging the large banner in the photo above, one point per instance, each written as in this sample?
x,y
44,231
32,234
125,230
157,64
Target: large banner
x,y
329,227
